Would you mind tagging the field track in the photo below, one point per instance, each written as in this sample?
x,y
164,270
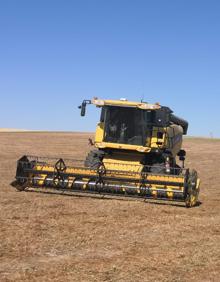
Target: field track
x,y
52,237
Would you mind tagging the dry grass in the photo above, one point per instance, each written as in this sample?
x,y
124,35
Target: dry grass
x,y
50,237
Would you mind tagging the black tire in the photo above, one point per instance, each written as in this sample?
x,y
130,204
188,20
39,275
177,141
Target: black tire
x,y
94,159
158,168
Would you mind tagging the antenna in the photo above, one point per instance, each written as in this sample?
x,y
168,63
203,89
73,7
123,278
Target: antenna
x,y
143,94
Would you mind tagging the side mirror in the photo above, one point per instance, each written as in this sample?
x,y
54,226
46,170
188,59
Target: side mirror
x,y
83,107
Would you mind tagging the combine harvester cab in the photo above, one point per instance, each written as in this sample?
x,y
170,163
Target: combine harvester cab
x,y
137,145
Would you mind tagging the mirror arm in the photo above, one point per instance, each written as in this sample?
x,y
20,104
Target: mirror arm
x,y
83,106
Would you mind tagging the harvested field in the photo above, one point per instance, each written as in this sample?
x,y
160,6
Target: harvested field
x,y
52,237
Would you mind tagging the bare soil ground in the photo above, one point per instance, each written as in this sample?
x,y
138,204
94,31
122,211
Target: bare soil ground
x,y
11,130
51,237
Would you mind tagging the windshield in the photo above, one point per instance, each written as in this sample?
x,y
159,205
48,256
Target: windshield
x,y
127,125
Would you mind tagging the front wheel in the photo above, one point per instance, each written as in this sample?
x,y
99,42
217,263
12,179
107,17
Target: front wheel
x,y
94,159
158,168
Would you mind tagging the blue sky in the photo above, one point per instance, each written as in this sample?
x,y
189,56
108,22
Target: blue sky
x,y
53,54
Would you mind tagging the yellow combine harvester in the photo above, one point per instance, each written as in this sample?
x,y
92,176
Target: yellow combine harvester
x,y
137,145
